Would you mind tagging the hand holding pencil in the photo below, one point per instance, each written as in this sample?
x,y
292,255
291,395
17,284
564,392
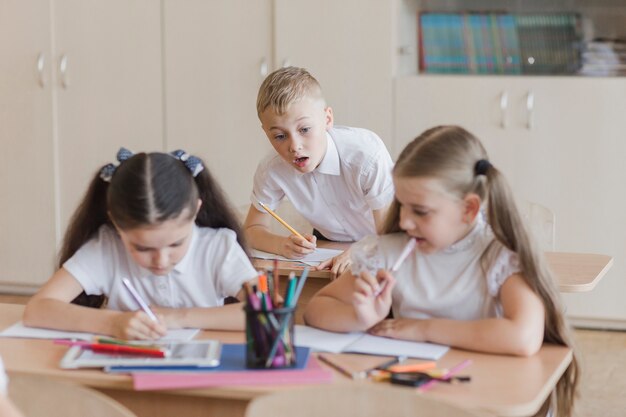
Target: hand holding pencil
x,y
296,245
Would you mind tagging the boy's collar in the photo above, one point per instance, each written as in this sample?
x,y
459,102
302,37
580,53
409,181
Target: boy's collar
x,y
330,163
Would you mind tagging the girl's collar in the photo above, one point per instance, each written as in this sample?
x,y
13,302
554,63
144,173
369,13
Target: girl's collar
x,y
468,241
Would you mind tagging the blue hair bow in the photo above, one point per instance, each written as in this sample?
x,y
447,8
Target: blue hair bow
x,y
107,171
192,163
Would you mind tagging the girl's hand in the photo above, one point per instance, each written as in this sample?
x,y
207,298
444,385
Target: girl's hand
x,y
171,317
405,329
294,247
136,325
371,298
337,265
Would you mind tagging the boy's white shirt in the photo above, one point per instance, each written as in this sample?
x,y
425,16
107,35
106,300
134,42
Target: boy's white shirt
x,y
215,266
338,197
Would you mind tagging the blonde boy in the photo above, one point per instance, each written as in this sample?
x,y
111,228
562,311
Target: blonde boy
x,y
338,178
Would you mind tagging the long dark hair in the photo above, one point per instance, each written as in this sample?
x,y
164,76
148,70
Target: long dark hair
x,y
450,154
146,189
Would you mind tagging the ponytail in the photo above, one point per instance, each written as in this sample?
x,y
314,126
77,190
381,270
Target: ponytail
x,y
508,227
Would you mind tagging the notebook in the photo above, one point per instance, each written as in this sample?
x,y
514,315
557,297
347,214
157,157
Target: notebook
x,y
312,259
19,330
325,341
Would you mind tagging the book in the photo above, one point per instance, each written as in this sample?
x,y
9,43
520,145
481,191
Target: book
x,y
325,341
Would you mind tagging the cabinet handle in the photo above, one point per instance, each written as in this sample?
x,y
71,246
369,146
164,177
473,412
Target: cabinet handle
x,y
263,68
63,71
41,62
530,108
504,104
286,63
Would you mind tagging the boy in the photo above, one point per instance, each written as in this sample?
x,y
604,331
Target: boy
x,y
338,178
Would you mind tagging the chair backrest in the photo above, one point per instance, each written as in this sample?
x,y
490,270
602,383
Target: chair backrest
x,y
352,400
541,221
37,396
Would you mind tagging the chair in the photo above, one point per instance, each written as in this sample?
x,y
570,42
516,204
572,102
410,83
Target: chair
x,y
37,396
541,221
352,400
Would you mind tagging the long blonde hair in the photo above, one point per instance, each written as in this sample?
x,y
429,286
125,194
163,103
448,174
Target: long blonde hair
x,y
451,154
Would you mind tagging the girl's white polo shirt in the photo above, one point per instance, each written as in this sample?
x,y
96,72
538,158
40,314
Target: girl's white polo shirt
x,y
214,267
450,283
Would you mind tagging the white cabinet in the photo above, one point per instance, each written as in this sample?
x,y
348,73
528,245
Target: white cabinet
x,y
79,79
561,145
27,209
347,46
217,53
110,92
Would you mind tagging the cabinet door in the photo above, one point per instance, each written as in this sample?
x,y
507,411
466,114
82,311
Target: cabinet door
x,y
347,46
217,53
27,208
109,87
486,106
583,119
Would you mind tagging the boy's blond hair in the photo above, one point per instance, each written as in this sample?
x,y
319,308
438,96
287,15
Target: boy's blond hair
x,y
284,87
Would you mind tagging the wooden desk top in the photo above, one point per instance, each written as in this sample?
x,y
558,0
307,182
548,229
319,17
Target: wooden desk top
x,y
574,272
503,385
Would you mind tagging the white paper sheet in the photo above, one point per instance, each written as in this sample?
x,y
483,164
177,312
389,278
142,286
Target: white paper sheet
x,y
312,259
365,343
19,330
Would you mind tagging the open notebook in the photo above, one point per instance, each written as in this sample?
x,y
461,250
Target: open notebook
x,y
19,330
365,343
312,259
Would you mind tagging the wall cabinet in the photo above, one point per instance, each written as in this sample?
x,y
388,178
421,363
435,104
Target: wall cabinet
x,y
217,54
81,79
27,187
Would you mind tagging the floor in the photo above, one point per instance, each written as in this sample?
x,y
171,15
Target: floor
x,y
603,359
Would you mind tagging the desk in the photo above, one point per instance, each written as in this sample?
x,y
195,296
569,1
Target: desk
x,y
574,272
502,385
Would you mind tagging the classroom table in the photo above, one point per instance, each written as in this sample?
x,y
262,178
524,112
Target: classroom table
x,y
501,385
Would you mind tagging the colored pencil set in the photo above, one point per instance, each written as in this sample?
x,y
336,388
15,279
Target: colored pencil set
x,y
116,346
270,320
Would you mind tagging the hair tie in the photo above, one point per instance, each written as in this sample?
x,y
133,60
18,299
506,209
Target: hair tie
x,y
192,163
107,171
481,167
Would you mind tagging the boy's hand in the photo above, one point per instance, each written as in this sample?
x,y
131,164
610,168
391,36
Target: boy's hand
x,y
337,265
294,247
371,298
136,325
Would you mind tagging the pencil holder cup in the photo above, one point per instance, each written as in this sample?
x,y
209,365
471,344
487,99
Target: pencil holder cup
x,y
269,338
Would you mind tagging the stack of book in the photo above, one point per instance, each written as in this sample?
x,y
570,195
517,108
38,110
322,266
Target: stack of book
x,y
604,57
499,43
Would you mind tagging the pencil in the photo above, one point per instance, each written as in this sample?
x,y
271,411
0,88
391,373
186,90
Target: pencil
x,y
340,369
281,221
455,369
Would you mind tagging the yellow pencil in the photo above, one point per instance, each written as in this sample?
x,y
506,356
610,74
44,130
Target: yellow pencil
x,y
281,221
